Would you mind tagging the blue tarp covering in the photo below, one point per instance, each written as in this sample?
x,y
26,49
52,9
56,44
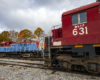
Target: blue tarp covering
x,y
20,47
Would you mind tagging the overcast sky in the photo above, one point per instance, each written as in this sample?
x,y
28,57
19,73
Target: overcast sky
x,y
30,14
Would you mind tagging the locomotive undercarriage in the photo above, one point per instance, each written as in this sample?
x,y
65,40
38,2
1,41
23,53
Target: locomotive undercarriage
x,y
30,54
21,54
3,54
64,58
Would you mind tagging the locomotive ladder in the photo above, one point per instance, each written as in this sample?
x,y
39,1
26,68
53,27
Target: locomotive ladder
x,y
47,56
47,53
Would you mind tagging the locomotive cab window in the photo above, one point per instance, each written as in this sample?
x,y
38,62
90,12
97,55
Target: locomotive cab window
x,y
79,18
75,19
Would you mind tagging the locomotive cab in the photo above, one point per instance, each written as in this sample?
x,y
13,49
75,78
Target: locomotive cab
x,y
57,36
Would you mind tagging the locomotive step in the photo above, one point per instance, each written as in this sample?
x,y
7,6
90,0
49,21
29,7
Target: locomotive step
x,y
47,60
47,65
46,51
46,55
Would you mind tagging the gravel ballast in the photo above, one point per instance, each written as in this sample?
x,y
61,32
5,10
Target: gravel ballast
x,y
10,72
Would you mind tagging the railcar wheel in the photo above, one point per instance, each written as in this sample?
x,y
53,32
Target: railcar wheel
x,y
72,67
31,55
2,54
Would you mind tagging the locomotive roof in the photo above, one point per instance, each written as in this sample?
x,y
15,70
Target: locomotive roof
x,y
81,8
2,42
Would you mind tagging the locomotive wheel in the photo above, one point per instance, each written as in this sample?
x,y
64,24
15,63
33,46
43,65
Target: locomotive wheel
x,y
31,55
5,55
37,55
72,67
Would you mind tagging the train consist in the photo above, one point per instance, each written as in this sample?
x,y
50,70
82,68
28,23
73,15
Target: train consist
x,y
76,45
22,49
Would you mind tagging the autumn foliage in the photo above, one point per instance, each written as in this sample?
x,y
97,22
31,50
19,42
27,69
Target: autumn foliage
x,y
39,33
4,36
23,35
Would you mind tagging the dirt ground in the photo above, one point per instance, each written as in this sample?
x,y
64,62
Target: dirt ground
x,y
9,72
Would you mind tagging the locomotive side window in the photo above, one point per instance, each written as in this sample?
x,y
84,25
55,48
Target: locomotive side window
x,y
83,17
75,19
79,18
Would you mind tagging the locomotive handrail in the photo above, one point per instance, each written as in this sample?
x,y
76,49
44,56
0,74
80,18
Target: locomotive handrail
x,y
9,49
33,48
56,26
6,49
24,49
29,48
15,49
49,45
20,49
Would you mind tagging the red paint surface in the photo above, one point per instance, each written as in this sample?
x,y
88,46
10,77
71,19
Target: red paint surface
x,y
57,33
92,24
81,8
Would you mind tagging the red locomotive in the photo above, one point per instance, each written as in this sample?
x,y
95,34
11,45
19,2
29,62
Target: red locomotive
x,y
76,45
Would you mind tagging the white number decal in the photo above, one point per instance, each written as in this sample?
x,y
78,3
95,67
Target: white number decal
x,y
86,32
81,31
75,32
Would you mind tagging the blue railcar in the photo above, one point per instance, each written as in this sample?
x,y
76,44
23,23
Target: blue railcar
x,y
22,49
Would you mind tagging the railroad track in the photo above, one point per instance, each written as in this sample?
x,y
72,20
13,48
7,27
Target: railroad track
x,y
40,66
24,64
21,58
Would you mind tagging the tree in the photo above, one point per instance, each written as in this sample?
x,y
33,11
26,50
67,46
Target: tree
x,y
32,36
5,35
25,35
1,38
39,33
13,35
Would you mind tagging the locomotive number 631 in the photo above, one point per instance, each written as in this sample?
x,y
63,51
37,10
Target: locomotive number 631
x,y
80,31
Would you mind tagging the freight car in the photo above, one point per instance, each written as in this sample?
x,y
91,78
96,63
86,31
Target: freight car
x,y
76,45
22,49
